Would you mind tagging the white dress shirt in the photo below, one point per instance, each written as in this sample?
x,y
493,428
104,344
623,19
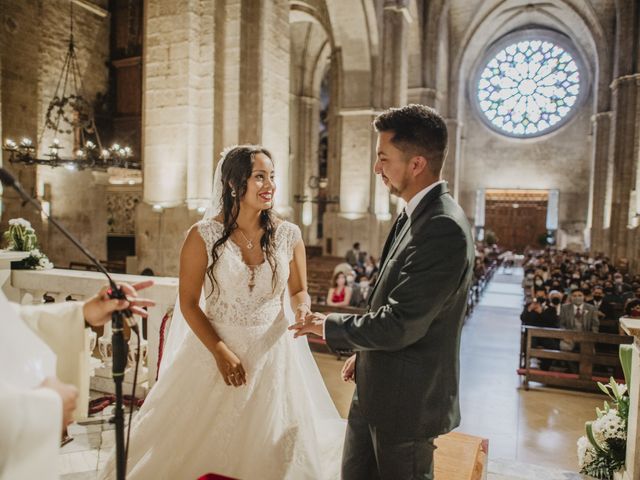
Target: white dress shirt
x,y
417,198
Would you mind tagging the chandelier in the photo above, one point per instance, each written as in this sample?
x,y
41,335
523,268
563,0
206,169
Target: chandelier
x,y
69,113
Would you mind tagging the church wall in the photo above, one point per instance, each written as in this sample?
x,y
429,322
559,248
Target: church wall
x,y
77,199
34,43
19,95
559,160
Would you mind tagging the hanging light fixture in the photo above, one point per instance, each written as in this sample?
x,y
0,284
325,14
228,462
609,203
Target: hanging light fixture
x,y
69,113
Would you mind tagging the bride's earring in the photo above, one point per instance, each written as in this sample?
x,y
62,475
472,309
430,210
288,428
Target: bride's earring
x,y
233,193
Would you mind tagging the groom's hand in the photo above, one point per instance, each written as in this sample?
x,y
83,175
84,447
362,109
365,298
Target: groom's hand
x,y
313,323
349,369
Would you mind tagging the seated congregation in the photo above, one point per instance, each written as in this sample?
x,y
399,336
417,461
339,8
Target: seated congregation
x,y
570,321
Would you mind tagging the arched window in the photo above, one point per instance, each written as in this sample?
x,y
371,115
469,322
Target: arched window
x,y
529,83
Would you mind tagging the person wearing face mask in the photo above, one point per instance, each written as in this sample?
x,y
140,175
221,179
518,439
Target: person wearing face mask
x,y
538,283
545,273
527,282
370,266
630,294
361,292
532,313
604,308
578,316
351,279
551,316
610,294
619,286
632,303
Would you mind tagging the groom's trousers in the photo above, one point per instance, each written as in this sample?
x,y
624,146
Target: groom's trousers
x,y
370,454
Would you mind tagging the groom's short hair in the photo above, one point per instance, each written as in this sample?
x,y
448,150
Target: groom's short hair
x,y
417,130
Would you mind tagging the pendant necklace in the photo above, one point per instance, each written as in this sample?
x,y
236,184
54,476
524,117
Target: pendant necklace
x,y
249,241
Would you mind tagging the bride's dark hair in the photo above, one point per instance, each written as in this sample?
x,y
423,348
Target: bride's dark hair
x,y
236,170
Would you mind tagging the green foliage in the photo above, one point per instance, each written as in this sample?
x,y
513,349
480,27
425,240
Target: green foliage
x,y
20,236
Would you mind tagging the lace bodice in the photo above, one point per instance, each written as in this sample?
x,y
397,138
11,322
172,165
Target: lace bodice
x,y
234,301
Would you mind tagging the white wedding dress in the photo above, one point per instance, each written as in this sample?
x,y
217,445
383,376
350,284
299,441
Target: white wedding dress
x,y
281,425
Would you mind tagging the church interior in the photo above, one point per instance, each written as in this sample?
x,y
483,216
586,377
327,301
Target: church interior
x,y
114,114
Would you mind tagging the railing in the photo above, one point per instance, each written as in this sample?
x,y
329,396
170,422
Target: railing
x,y
29,287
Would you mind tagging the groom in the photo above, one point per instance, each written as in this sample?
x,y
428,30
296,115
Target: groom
x,y
407,361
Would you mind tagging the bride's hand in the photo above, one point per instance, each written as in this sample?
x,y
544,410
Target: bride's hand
x,y
349,369
229,366
302,311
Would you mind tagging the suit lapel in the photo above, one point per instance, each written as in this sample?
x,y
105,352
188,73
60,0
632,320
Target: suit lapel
x,y
428,199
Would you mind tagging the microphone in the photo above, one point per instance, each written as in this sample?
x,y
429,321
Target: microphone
x,y
118,343
6,178
9,180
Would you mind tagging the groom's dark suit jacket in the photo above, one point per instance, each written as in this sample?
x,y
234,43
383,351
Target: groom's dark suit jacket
x,y
408,343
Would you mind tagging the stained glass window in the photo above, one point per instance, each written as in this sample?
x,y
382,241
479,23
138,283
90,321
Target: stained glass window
x,y
528,87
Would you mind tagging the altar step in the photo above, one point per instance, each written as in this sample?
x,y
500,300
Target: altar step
x,y
511,470
465,457
461,457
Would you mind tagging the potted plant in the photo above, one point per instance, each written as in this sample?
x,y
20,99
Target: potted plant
x,y
21,237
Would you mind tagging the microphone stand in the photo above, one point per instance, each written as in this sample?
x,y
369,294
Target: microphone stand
x,y
118,318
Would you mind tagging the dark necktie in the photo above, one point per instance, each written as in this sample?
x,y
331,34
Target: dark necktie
x,y
402,219
391,238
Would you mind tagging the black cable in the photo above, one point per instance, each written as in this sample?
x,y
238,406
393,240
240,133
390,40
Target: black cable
x,y
133,393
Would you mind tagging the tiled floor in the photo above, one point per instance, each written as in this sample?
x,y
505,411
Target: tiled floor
x,y
532,434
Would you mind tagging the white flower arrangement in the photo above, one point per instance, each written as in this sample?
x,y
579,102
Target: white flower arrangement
x,y
21,237
22,222
38,260
601,452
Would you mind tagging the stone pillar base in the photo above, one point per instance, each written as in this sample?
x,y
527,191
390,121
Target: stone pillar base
x,y
159,236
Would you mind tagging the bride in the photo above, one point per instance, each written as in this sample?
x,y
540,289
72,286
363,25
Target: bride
x,y
236,394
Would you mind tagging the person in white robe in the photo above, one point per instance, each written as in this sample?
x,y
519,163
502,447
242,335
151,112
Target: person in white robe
x,y
42,369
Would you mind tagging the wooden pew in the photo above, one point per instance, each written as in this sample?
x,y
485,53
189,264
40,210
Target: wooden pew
x,y
587,357
319,275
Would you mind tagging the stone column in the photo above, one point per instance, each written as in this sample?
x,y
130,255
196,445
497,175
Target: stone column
x,y
601,125
395,74
231,53
625,138
452,162
394,66
172,87
353,221
177,127
264,83
200,144
422,95
304,159
395,60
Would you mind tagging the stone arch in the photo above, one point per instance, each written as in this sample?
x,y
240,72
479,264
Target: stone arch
x,y
336,39
311,49
355,30
499,18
